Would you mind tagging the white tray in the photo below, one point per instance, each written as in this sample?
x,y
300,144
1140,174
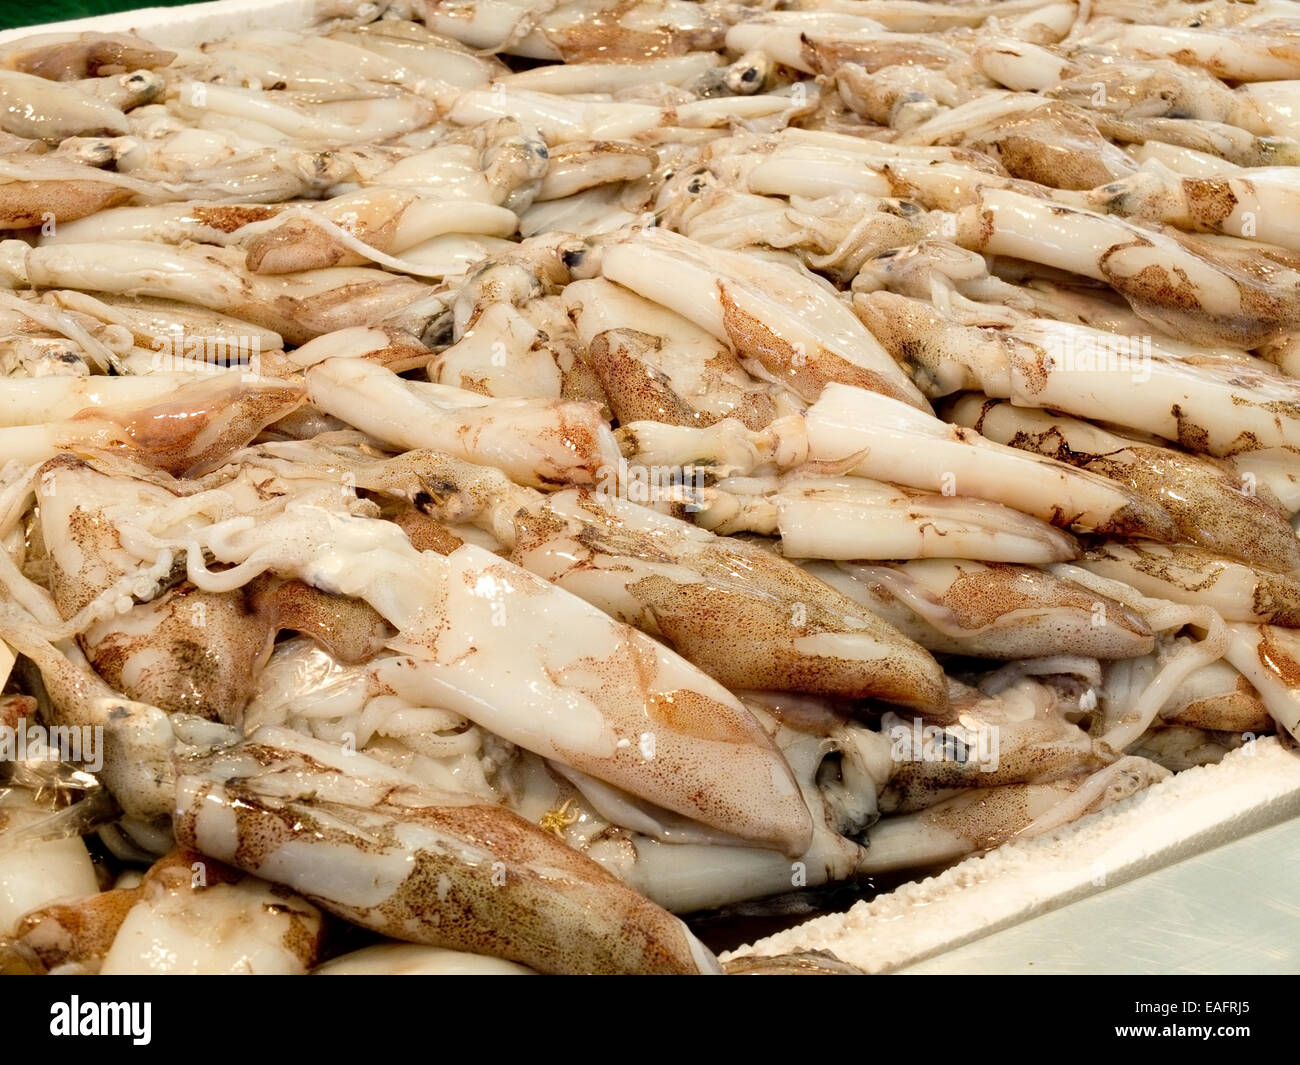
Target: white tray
x,y
936,925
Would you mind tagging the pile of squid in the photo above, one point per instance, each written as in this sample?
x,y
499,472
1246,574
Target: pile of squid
x,y
498,476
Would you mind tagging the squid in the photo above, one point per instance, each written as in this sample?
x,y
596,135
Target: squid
x,y
45,188
605,77
69,56
1255,202
1211,406
989,610
645,720
538,442
297,306
671,579
194,427
1186,574
309,120
578,30
1210,502
390,221
653,364
474,463
426,868
1241,54
861,433
423,53
785,321
838,765
412,959
1049,142
817,42
35,107
1183,288
41,870
852,518
980,819
679,583
154,927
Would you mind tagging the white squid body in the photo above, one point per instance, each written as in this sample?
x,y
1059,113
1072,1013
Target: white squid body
x,y
310,122
391,220
536,442
980,819
412,959
685,867
577,30
501,355
189,430
817,42
1212,406
1215,697
1186,574
38,872
1209,501
745,616
852,518
789,323
1189,294
1009,735
654,364
424,53
870,435
193,916
298,306
990,611
51,110
1241,54
564,680
597,77
1269,657
419,866
1263,201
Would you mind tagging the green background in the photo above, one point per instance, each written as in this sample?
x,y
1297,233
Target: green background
x,y
14,13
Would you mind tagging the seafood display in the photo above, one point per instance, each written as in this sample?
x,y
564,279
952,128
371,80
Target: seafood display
x,y
503,486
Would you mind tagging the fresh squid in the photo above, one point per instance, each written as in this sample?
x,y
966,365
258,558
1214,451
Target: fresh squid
x,y
987,610
473,463
431,868
1212,406
787,322
645,720
1210,502
851,518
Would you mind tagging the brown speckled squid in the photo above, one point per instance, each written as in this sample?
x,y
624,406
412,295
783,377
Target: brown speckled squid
x,y
419,866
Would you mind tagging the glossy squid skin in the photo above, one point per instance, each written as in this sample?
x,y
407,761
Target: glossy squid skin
x,y
466,876
788,630
991,610
1207,499
1229,300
